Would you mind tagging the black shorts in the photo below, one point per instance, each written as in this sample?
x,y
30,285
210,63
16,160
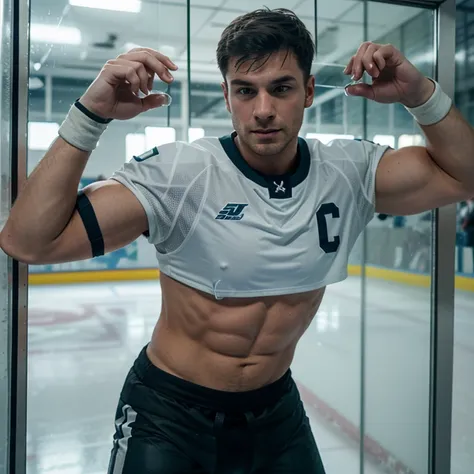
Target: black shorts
x,y
166,425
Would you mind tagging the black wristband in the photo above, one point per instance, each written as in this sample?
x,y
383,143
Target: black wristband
x,y
90,114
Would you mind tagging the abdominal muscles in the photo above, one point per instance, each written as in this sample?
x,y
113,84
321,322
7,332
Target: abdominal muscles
x,y
232,344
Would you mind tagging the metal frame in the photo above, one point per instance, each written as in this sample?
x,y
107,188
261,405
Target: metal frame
x,y
363,289
5,262
19,320
443,274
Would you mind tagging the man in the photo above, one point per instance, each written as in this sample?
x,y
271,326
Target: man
x,y
248,228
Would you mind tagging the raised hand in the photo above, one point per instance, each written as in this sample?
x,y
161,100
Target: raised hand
x,y
394,78
115,92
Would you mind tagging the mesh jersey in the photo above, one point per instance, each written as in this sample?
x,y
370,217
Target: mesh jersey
x,y
223,228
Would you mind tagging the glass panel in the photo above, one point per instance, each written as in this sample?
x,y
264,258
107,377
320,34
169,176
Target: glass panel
x,y
61,73
5,264
87,336
332,343
207,106
462,458
398,266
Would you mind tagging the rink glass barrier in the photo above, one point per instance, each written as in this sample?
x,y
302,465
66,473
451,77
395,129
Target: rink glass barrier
x,y
382,407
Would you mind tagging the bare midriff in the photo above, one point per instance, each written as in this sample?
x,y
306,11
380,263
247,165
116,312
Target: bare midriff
x,y
232,344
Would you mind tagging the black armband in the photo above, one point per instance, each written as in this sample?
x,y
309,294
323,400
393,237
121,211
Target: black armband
x,y
86,211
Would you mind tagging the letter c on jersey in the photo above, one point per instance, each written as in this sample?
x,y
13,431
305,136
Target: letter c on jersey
x,y
329,209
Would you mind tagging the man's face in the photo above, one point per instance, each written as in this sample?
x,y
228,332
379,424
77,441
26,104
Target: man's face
x,y
267,104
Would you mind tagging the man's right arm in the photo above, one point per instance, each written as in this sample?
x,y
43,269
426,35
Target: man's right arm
x,y
44,226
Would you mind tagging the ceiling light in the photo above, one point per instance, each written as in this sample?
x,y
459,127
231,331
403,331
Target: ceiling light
x,y
55,34
131,6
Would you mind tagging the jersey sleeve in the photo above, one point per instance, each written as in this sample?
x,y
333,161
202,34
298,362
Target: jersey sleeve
x,y
169,183
358,161
367,164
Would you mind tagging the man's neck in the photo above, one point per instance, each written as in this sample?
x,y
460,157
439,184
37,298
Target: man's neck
x,y
284,162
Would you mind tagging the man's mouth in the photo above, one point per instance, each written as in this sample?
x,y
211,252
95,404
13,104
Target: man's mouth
x,y
267,131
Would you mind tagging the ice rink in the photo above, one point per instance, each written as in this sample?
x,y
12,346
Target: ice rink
x,y
84,338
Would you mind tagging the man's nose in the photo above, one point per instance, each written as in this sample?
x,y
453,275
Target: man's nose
x,y
264,109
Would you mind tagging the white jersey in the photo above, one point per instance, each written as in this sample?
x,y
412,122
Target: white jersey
x,y
223,228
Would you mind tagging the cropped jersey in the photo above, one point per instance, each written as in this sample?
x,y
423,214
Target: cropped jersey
x,y
223,228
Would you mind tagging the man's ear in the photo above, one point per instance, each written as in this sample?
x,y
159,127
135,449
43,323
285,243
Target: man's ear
x,y
309,92
226,95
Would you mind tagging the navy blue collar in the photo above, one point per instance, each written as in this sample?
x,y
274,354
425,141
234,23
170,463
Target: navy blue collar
x,y
291,179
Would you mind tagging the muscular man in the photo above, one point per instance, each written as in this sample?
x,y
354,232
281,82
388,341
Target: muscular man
x,y
249,229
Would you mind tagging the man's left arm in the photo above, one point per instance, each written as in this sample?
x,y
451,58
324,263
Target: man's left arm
x,y
415,179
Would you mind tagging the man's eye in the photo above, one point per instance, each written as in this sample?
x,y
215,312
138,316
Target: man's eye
x,y
282,89
244,91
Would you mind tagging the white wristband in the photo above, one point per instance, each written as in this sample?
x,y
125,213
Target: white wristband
x,y
434,110
81,128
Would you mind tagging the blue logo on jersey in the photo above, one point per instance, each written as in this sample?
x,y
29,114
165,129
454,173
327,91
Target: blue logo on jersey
x,y
232,212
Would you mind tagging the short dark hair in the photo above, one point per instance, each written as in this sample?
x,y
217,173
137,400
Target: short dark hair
x,y
259,34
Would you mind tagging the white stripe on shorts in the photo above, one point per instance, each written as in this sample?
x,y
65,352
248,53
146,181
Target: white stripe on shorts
x,y
123,426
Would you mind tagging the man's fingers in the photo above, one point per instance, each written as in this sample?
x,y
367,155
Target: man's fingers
x,y
357,66
146,66
157,55
139,69
368,62
116,73
348,69
156,61
379,60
